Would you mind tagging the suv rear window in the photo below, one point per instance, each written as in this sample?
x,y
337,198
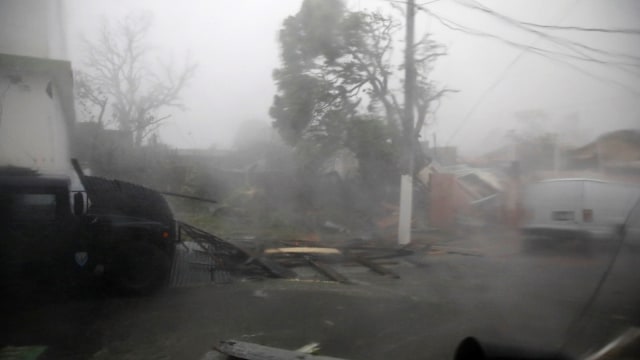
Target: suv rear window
x,y
25,207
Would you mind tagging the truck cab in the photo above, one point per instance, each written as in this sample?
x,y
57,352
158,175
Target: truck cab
x,y
52,240
38,230
59,227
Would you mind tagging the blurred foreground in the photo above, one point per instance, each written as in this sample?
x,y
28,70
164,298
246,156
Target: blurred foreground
x,y
482,285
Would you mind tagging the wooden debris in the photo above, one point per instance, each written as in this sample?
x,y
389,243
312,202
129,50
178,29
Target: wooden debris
x,y
251,351
304,250
417,262
459,251
276,269
376,267
327,271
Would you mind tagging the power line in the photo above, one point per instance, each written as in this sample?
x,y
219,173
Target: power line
x,y
485,93
457,27
501,77
575,47
619,31
626,31
549,54
564,42
419,4
496,82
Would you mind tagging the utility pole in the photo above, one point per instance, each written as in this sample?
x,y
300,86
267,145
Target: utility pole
x,y
406,178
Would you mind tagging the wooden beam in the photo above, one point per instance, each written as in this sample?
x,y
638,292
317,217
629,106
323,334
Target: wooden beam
x,y
327,271
251,351
377,268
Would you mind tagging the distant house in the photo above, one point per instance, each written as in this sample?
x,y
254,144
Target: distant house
x,y
616,151
443,155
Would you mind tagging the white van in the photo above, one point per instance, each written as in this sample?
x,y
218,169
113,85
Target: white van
x,y
563,208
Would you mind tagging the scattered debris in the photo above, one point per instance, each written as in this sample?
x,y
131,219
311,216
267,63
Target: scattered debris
x,y
250,351
330,225
418,262
260,293
310,348
458,251
202,258
276,269
327,271
376,267
205,258
304,250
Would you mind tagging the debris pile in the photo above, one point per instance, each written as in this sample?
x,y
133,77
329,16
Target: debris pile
x,y
202,257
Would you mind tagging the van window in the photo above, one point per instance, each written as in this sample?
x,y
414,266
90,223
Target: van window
x,y
609,202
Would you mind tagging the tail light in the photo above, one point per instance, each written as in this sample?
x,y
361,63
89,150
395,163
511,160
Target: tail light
x,y
587,215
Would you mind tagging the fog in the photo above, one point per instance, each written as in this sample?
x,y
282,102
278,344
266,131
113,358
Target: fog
x,y
235,45
522,202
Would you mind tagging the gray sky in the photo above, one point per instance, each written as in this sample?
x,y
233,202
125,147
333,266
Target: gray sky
x,y
235,44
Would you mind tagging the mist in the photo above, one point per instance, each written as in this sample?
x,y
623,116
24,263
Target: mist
x,y
239,164
495,81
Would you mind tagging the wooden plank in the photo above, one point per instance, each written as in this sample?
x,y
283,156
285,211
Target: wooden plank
x,y
459,251
275,269
251,351
303,250
377,268
327,271
417,262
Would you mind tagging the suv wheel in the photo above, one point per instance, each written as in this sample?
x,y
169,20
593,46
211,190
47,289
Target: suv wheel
x,y
140,268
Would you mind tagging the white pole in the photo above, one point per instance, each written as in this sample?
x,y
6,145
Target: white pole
x,y
406,179
406,205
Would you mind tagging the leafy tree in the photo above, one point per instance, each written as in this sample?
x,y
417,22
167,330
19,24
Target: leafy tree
x,y
338,65
117,82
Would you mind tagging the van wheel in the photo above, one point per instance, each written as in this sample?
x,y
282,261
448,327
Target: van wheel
x,y
140,268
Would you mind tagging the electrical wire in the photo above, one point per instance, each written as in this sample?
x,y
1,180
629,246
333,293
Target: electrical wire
x,y
525,49
578,49
626,31
564,42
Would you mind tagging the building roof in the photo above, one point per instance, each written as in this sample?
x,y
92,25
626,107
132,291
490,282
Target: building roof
x,y
619,146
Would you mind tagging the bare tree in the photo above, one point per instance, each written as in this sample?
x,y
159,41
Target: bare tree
x,y
118,80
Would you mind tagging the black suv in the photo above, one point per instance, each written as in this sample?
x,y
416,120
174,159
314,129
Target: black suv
x,y
118,232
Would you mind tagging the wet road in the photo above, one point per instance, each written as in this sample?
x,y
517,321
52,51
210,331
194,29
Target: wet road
x,y
501,295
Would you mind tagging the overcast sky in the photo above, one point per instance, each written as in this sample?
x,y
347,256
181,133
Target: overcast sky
x,y
235,45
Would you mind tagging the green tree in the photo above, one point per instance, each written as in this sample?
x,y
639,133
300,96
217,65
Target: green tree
x,y
338,66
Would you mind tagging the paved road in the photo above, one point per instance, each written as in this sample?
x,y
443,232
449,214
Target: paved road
x,y
501,295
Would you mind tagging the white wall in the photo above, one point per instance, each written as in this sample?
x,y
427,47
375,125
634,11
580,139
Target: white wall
x,y
33,132
33,28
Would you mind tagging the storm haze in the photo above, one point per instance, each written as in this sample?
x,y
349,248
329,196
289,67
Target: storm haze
x,y
235,46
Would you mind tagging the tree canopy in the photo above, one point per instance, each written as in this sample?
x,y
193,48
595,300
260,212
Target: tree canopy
x,y
339,72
